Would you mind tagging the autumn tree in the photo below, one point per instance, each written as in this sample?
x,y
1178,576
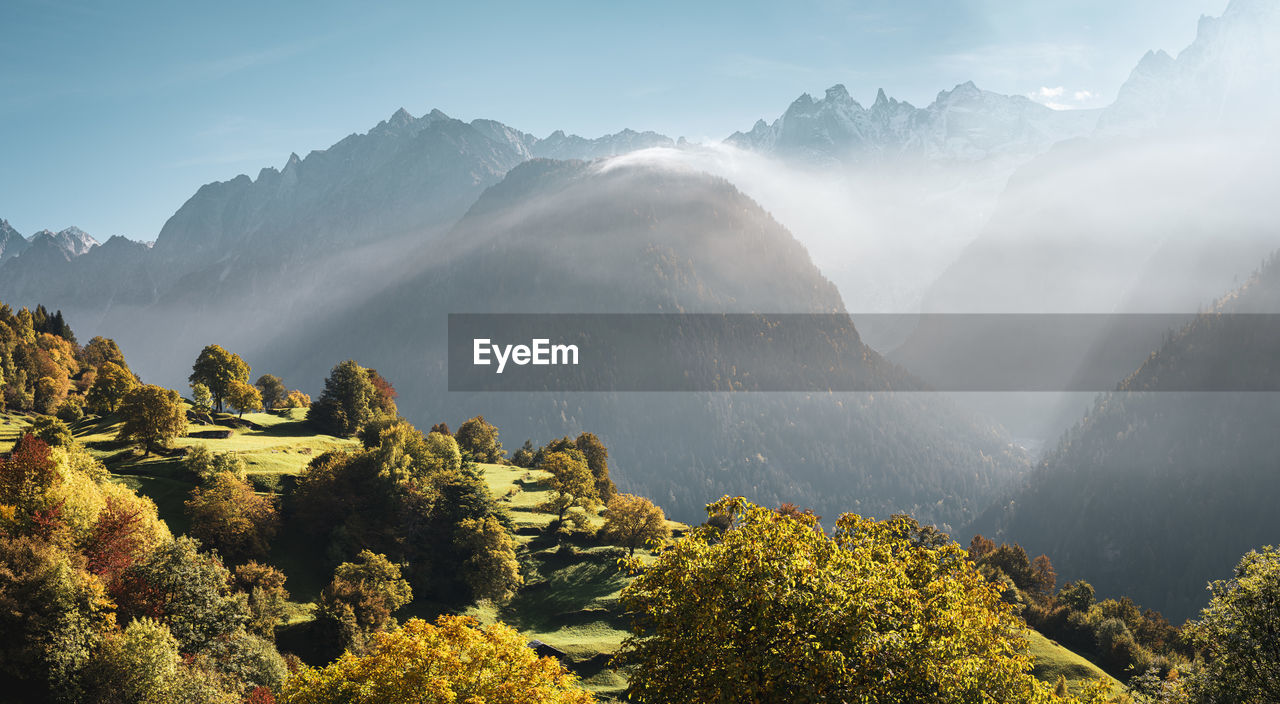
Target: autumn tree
x,y
201,398
1238,633
572,487
53,431
226,514
480,438
980,547
109,389
492,570
186,589
102,350
244,397
206,465
771,608
363,596
268,597
28,474
597,456
153,416
452,660
143,665
217,368
272,389
346,403
384,394
632,521
296,399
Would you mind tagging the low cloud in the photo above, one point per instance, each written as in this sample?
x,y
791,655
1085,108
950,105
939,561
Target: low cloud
x,y
1059,98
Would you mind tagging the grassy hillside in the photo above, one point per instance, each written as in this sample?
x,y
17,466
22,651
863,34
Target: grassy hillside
x,y
570,597
1054,660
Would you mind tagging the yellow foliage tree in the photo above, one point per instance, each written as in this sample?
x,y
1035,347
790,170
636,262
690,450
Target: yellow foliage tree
x,y
632,521
774,609
453,660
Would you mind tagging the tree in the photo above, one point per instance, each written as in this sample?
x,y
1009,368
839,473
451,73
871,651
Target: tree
x,y
187,590
598,462
28,474
297,399
346,403
492,570
632,521
772,608
216,368
1077,596
243,397
102,350
272,389
201,398
152,416
1237,634
53,431
139,665
1044,577
572,486
384,394
480,439
364,594
49,392
523,457
208,465
267,596
454,660
109,389
50,614
229,516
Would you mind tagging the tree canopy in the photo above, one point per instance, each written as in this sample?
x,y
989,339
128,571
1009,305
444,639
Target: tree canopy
x,y
153,416
452,660
217,368
1239,633
771,608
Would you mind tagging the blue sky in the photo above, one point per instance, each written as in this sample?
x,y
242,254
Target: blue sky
x,y
111,116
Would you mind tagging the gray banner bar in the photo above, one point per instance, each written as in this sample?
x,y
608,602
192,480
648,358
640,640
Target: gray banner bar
x,y
819,353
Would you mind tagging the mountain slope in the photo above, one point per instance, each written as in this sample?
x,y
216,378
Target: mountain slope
x,y
12,243
1152,494
574,237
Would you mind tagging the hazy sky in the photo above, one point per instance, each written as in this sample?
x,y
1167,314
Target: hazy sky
x,y
111,116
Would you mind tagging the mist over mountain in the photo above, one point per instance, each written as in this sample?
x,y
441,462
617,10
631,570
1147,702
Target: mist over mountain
x,y
1093,224
1161,216
576,237
1228,78
1153,494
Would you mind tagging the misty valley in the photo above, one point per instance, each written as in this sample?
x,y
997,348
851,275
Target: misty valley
x,y
239,460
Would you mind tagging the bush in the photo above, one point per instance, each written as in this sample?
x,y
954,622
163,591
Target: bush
x,y
70,411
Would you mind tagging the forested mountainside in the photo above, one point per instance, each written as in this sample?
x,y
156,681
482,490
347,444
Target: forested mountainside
x,y
575,237
1154,492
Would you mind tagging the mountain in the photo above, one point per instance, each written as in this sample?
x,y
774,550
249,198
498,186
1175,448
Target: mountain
x,y
72,242
1229,77
576,237
12,243
965,125
274,242
1154,493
